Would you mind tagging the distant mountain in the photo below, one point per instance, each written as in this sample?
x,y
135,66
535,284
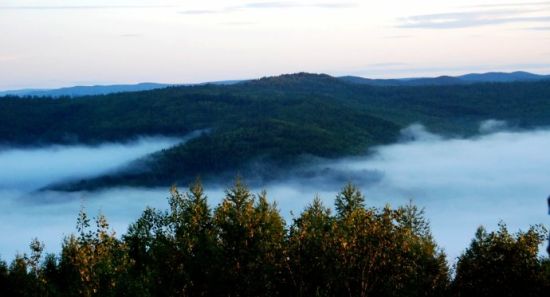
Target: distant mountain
x,y
223,82
502,77
369,81
286,80
78,91
449,80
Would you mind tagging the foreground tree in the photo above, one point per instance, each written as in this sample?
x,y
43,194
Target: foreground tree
x,y
503,264
191,233
4,278
174,252
94,262
385,252
27,275
243,249
311,253
423,270
149,272
250,239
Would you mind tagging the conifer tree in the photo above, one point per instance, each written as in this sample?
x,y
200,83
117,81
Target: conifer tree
x,y
246,230
348,200
311,252
190,220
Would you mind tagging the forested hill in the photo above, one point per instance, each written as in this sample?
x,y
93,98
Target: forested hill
x,y
275,120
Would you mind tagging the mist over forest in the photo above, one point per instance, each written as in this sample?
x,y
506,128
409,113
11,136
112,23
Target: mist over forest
x,y
446,180
462,183
270,148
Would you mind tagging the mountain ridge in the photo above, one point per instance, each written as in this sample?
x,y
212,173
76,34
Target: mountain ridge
x,y
470,78
81,91
274,120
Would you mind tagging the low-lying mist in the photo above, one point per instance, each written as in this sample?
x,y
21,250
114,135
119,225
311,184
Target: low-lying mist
x,y
33,168
462,183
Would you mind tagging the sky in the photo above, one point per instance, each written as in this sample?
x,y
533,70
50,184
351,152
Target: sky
x,y
55,43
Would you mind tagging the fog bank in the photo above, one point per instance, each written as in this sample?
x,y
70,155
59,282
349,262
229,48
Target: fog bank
x,y
33,168
462,183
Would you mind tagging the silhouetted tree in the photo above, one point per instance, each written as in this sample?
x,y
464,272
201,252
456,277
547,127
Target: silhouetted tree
x,y
243,249
312,256
502,264
250,241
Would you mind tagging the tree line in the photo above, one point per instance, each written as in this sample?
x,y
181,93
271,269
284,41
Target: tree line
x,y
244,247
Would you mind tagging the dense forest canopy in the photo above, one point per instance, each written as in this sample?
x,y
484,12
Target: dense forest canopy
x,y
275,120
243,247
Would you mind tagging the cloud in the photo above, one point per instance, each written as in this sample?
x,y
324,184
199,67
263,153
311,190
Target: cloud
x,y
239,23
544,28
500,5
81,7
397,36
456,20
271,5
131,35
201,11
295,4
6,58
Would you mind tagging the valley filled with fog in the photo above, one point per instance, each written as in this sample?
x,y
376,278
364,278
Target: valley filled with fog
x,y
461,182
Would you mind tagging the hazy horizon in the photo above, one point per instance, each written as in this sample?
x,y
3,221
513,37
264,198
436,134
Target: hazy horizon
x,y
251,78
62,43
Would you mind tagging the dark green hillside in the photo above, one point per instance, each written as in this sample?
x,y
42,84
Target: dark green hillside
x,y
274,120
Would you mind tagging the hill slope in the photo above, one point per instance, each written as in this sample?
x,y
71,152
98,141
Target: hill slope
x,y
275,121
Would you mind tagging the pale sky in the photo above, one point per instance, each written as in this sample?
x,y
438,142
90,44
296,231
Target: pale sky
x,y
54,43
